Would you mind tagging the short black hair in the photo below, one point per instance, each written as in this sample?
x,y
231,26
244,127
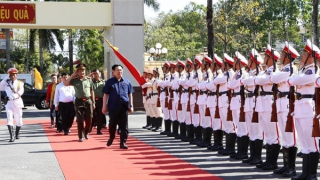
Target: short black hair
x,y
115,66
59,75
54,74
64,74
94,70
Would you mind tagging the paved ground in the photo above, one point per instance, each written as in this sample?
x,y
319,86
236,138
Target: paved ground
x,y
32,157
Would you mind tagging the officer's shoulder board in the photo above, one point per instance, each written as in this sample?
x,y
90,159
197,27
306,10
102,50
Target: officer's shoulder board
x,y
287,69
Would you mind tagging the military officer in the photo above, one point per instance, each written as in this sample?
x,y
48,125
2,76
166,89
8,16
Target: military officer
x,y
14,90
264,108
174,99
193,84
205,121
180,113
212,103
144,100
288,139
304,111
163,98
235,105
255,131
148,103
185,101
223,103
98,85
85,100
154,101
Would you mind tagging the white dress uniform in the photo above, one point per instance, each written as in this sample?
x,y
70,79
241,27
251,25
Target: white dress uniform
x,y
280,77
304,107
193,83
185,97
254,129
148,102
223,102
157,112
264,107
15,104
235,104
173,84
205,122
212,103
163,84
181,113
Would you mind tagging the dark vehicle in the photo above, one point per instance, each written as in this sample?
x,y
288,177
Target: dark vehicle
x,y
30,97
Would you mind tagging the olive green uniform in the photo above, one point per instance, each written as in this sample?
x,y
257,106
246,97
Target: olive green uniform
x,y
98,117
83,104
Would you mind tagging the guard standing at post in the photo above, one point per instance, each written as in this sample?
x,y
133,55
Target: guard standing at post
x,y
288,139
264,108
304,111
85,100
174,101
144,101
98,85
235,106
14,90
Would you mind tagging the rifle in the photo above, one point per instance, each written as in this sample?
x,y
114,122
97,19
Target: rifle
x,y
179,103
255,116
166,104
316,127
196,106
242,114
189,95
289,124
158,100
229,114
274,117
217,113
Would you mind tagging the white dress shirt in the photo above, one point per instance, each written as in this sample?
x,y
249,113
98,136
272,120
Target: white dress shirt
x,y
63,94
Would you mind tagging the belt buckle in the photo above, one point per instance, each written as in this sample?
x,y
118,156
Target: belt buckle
x,y
84,99
97,99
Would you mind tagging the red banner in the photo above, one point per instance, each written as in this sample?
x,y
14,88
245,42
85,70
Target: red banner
x,y
17,13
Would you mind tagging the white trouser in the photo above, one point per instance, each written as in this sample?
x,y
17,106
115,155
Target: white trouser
x,y
270,129
288,139
165,111
13,112
195,117
227,126
173,111
202,111
215,123
308,143
182,114
150,109
254,129
241,127
145,105
189,117
156,110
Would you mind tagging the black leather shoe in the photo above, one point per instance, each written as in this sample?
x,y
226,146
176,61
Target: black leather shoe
x,y
99,133
80,140
86,136
123,146
65,133
110,141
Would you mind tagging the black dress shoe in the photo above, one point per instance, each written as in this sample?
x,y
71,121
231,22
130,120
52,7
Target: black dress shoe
x,y
109,142
65,133
80,140
86,136
123,146
99,133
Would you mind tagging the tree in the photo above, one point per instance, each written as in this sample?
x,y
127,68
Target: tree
x,y
153,4
315,22
46,42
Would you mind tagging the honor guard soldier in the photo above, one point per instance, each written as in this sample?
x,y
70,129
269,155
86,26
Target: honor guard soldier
x,y
193,84
223,103
98,85
304,111
157,111
148,103
163,98
212,103
85,100
264,107
185,102
236,104
14,90
180,113
205,121
288,139
144,100
173,99
254,128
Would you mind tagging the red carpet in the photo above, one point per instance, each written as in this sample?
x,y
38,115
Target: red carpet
x,y
92,159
